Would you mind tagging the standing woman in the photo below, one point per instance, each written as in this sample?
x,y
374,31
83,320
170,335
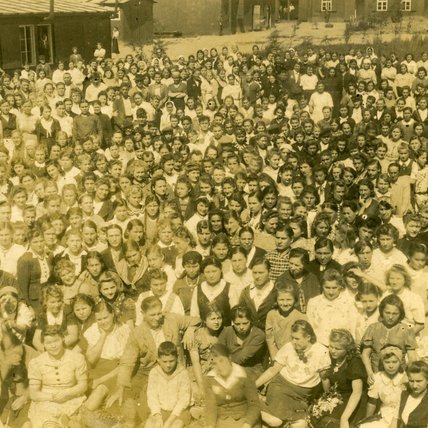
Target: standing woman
x,y
231,398
348,376
295,378
115,41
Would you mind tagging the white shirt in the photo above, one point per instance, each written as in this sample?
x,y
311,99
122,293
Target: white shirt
x,y
176,308
298,372
258,296
9,258
324,315
115,341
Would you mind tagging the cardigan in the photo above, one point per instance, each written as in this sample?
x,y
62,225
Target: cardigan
x,y
419,417
250,352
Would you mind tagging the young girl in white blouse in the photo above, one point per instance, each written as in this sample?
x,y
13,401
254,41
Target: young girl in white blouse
x,y
386,389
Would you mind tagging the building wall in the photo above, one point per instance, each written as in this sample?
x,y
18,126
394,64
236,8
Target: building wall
x,y
137,21
310,10
83,31
187,16
419,7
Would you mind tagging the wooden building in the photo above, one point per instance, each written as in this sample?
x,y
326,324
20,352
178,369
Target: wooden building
x,y
27,31
133,18
344,10
194,17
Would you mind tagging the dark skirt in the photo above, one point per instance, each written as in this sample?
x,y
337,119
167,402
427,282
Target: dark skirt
x,y
289,402
114,46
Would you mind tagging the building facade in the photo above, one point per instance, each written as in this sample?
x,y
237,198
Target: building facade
x,y
28,30
344,10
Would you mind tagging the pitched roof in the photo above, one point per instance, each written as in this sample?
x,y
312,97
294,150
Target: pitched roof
x,y
21,7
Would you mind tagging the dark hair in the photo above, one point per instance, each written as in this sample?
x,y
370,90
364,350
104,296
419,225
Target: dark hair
x,y
417,367
167,349
324,242
300,253
84,298
261,261
158,274
211,261
51,330
102,305
241,311
392,300
304,327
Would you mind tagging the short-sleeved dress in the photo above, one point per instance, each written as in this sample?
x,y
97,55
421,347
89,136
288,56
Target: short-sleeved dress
x,y
53,375
352,370
388,392
203,342
378,335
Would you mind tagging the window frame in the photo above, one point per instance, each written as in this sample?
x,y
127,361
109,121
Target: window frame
x,y
326,5
406,5
381,5
29,49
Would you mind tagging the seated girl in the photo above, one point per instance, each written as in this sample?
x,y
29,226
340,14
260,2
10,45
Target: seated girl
x,y
89,278
205,337
280,319
111,291
413,408
386,390
54,313
231,398
58,381
295,378
106,340
245,342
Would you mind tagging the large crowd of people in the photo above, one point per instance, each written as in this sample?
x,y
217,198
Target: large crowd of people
x,y
219,241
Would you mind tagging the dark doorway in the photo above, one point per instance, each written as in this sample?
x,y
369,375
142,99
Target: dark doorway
x,y
289,10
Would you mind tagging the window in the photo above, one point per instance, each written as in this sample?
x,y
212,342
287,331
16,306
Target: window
x,y
406,5
382,5
27,44
44,42
326,5
34,42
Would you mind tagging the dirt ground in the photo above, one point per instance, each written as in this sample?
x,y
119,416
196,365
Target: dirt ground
x,y
289,34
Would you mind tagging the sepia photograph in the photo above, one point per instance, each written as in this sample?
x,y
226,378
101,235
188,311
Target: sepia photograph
x,y
213,213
